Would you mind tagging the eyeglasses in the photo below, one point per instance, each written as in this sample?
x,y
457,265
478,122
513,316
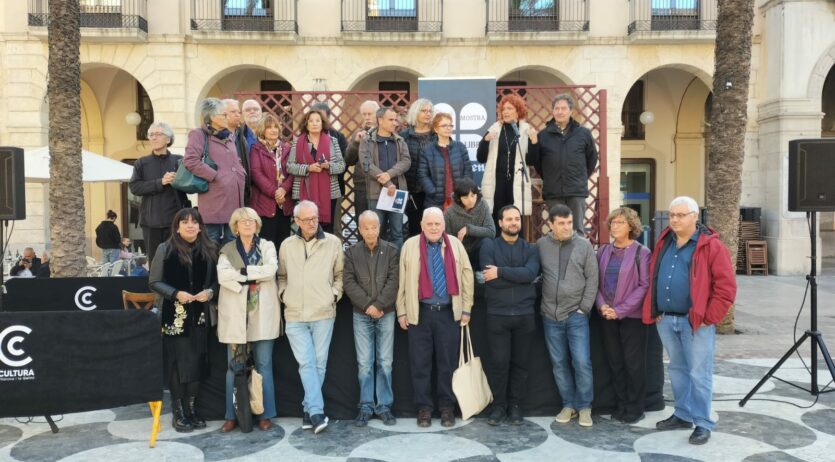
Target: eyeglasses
x,y
156,134
246,221
617,222
308,221
252,109
446,126
426,111
222,114
679,216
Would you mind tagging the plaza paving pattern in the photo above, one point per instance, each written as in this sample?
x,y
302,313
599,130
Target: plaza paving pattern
x,y
761,431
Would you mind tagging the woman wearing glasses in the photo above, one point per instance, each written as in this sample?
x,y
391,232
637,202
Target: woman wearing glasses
x,y
443,162
624,280
249,317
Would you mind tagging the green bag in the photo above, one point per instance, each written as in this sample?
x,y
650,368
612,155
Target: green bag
x,y
189,183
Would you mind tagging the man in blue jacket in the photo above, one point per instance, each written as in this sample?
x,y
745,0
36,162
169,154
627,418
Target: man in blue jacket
x,y
510,266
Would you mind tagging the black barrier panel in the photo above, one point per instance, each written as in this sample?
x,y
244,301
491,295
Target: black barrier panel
x,y
341,389
68,294
62,362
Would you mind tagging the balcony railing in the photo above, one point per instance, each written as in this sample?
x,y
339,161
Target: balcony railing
x,y
672,15
102,14
244,15
537,15
392,15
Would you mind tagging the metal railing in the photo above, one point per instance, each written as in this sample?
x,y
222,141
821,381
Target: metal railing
x,y
537,15
672,15
392,15
244,15
104,14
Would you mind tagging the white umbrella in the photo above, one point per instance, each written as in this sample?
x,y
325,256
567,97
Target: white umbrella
x,y
96,168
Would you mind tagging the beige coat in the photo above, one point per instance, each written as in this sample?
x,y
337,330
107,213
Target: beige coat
x,y
234,324
310,280
488,181
407,294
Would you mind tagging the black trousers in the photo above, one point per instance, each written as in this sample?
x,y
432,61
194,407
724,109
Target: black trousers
x,y
509,340
414,212
153,238
438,333
328,227
275,229
625,344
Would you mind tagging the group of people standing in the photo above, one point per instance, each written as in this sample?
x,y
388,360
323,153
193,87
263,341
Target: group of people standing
x,y
421,277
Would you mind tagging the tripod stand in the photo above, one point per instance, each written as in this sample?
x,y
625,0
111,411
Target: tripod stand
x,y
814,336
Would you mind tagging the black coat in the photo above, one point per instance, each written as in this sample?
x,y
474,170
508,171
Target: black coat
x,y
107,235
432,170
564,161
159,202
242,145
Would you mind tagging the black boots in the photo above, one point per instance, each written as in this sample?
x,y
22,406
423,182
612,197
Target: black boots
x,y
196,421
181,421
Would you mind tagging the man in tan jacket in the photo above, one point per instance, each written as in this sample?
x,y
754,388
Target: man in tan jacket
x,y
310,292
434,297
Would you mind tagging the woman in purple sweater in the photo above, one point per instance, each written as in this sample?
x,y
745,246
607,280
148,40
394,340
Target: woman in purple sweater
x,y
624,280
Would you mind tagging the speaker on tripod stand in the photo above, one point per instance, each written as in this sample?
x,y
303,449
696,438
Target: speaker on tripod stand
x,y
811,190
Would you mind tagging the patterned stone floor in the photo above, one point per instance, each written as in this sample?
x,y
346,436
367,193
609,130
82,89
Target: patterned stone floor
x,y
764,430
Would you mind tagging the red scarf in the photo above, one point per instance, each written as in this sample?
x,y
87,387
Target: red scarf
x,y
318,185
447,177
425,289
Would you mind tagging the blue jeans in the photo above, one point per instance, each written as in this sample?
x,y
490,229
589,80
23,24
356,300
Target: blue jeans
x,y
691,367
391,221
569,348
374,338
110,255
262,353
310,342
220,233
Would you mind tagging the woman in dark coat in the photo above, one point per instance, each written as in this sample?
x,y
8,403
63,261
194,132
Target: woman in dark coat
x,y
469,218
108,238
271,185
442,156
184,278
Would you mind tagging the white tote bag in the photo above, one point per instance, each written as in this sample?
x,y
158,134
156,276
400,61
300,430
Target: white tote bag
x,y
469,382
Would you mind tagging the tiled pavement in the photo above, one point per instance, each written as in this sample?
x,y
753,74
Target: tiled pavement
x,y
780,424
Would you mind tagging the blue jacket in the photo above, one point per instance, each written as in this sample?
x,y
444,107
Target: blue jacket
x,y
431,170
513,292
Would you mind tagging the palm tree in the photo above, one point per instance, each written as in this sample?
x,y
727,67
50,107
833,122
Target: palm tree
x,y
66,193
728,120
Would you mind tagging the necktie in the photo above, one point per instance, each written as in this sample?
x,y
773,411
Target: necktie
x,y
438,275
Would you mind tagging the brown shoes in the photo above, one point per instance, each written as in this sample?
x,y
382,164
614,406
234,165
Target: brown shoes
x,y
265,424
447,417
228,426
424,418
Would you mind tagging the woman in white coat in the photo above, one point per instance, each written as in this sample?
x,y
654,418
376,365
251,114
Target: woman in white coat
x,y
503,149
248,307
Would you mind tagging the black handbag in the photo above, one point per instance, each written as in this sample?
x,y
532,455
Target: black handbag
x,y
189,183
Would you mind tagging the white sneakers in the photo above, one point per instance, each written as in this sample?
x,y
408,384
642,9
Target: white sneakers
x,y
567,413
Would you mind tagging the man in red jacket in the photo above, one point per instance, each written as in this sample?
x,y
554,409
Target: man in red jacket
x,y
691,289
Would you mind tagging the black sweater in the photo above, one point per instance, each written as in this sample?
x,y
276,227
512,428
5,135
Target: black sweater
x,y
513,292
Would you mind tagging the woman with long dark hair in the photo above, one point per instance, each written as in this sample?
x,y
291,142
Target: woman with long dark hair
x,y
316,164
184,278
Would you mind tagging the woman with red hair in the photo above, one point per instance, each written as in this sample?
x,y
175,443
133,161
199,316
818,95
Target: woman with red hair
x,y
503,149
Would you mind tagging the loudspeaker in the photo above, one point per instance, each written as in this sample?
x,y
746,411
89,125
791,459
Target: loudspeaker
x,y
12,187
812,175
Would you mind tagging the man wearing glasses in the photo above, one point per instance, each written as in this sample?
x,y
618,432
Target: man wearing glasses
x,y
692,286
310,292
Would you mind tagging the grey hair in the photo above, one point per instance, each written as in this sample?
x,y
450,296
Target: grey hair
x,y
432,211
368,214
229,101
209,108
322,107
252,100
370,102
564,97
692,205
165,129
414,111
305,204
383,110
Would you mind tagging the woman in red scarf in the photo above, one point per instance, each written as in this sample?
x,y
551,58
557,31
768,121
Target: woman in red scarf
x,y
316,163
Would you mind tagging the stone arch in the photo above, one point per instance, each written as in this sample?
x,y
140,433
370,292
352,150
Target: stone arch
x,y
412,74
814,87
91,120
562,77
